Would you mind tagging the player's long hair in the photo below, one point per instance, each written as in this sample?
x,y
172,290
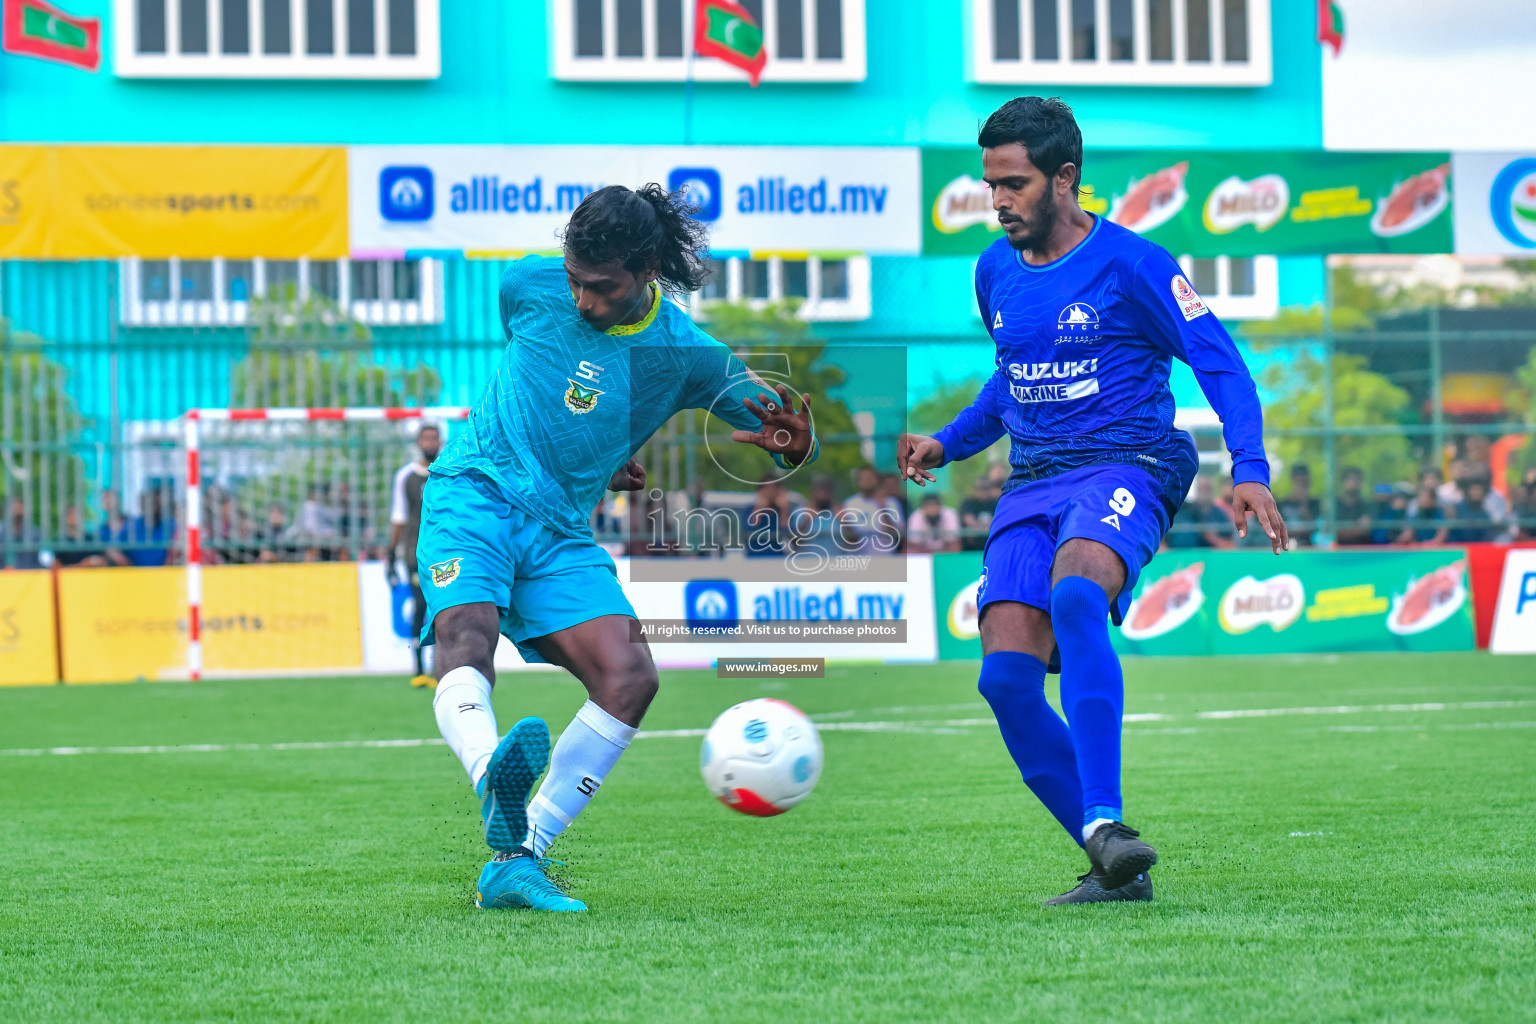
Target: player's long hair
x,y
647,228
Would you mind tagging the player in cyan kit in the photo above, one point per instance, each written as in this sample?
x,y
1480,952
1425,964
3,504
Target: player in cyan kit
x,y
597,359
1086,316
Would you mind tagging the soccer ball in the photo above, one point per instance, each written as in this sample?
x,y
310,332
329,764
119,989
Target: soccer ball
x,y
761,757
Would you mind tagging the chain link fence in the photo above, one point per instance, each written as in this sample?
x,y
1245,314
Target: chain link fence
x,y
1419,430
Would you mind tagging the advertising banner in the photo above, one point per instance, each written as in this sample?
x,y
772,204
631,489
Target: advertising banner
x,y
26,197
1514,618
819,610
956,578
1496,203
1239,602
199,201
490,200
1214,203
28,654
259,618
118,625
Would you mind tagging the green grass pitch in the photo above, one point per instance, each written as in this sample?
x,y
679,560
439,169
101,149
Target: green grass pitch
x,y
1360,865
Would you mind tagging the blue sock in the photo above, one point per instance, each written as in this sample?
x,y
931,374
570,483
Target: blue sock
x,y
1036,737
1092,691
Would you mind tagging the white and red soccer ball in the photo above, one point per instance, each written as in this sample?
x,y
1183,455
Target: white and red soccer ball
x,y
761,757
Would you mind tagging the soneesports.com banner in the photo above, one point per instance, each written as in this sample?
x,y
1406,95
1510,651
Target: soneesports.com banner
x,y
1252,602
1216,203
196,202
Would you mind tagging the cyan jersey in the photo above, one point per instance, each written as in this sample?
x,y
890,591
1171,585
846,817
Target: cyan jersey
x,y
570,404
1083,350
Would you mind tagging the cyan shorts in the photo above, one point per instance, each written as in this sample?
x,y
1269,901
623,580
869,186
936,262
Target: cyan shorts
x,y
477,546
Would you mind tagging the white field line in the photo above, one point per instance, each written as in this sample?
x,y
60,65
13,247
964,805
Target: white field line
x,y
946,726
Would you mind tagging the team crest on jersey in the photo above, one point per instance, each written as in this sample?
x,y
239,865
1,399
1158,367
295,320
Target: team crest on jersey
x,y
581,399
444,573
1190,303
1077,322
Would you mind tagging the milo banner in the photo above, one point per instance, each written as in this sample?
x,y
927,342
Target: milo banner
x,y
1214,203
1242,602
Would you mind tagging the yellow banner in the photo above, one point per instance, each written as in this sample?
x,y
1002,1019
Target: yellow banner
x,y
281,618
117,625
124,624
27,647
26,200
81,202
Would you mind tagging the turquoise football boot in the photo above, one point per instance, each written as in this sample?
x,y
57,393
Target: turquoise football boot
x,y
518,761
517,880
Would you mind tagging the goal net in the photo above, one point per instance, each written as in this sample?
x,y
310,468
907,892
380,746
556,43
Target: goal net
x,y
288,534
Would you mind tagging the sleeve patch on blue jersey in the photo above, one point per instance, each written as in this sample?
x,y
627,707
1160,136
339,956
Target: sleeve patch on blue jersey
x,y
1190,303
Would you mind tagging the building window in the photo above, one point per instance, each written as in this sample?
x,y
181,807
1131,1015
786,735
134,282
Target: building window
x,y
649,41
218,292
277,39
1121,42
1236,287
827,287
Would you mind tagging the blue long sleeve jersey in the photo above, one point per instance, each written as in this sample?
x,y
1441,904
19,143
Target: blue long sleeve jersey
x,y
569,405
1083,349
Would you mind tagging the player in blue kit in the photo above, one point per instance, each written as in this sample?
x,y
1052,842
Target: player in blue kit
x,y
597,359
1086,316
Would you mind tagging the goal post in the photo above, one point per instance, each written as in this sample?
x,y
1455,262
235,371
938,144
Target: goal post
x,y
266,456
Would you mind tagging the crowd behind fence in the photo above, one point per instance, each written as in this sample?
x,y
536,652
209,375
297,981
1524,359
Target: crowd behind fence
x,y
1393,436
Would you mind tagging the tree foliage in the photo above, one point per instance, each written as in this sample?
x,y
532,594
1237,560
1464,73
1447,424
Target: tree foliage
x,y
759,335
42,426
1361,398
934,413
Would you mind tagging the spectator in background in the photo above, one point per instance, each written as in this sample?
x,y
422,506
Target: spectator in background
x,y
154,531
1473,523
816,526
1391,511
874,518
17,532
75,547
933,528
976,513
1523,510
113,531
1201,522
1300,509
277,537
317,524
765,521
1352,510
890,487
1425,518
1430,476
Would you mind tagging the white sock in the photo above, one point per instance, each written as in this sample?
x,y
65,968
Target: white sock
x,y
1093,826
583,757
462,704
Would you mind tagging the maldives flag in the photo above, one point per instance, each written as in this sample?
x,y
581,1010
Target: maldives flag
x,y
1330,25
32,28
724,29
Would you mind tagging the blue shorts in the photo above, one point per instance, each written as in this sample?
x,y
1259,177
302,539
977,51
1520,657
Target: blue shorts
x,y
1120,506
477,546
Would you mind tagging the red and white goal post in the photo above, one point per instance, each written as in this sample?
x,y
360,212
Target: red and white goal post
x,y
264,456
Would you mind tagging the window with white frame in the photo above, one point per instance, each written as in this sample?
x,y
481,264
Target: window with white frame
x,y
1236,287
276,38
218,292
650,41
1121,42
827,287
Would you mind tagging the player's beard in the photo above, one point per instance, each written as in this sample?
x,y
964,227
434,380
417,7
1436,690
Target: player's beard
x,y
1038,225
